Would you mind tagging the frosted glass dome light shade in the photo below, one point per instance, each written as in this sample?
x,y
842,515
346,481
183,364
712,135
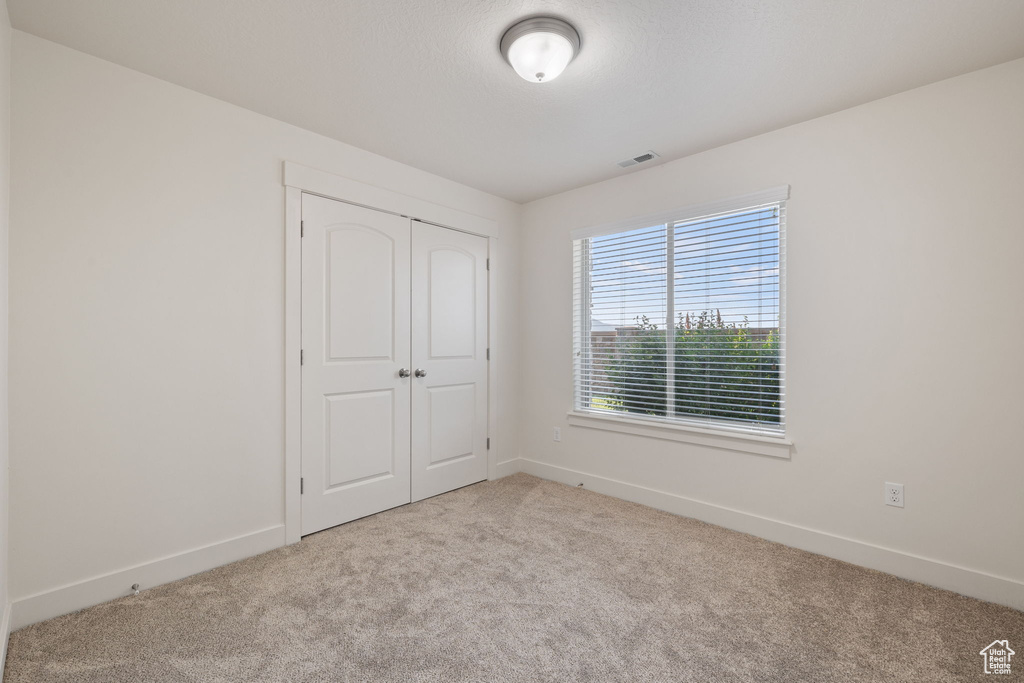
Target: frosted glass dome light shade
x,y
540,57
539,49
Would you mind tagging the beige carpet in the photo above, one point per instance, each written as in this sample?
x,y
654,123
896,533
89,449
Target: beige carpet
x,y
525,580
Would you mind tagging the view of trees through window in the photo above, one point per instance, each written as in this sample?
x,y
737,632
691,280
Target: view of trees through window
x,y
717,280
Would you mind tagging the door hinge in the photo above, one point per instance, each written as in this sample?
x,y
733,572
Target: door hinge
x,y
488,264
302,357
488,354
302,486
302,228
488,443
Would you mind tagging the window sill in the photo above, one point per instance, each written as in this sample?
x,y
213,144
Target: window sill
x,y
774,447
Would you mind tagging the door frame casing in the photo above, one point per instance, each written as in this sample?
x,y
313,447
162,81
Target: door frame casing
x,y
299,179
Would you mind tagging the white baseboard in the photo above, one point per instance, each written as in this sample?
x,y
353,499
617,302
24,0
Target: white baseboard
x,y
503,469
5,633
963,580
76,596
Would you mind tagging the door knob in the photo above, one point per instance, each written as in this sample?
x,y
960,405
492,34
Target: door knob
x,y
420,372
403,372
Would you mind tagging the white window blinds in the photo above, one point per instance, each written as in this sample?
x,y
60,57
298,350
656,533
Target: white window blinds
x,y
682,321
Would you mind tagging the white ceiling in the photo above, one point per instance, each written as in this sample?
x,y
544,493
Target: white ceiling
x,y
423,82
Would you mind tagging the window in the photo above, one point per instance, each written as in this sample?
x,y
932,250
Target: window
x,y
681,320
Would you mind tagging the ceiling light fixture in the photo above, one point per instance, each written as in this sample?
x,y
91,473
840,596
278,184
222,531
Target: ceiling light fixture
x,y
540,48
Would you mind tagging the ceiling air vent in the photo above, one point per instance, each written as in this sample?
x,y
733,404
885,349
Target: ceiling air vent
x,y
646,156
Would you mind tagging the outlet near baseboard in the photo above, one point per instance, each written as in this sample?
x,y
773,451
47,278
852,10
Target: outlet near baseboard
x,y
894,494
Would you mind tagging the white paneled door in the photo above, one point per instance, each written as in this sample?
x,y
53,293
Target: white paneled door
x,y
394,372
355,342
449,351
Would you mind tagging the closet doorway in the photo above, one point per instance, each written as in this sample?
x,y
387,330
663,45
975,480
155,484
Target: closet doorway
x,y
393,361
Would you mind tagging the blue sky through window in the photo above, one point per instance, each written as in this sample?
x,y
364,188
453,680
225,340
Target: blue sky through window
x,y
727,263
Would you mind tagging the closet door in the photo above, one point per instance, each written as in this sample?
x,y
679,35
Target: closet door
x,y
355,339
449,342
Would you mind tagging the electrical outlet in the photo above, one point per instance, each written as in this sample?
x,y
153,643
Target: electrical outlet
x,y
894,494
558,433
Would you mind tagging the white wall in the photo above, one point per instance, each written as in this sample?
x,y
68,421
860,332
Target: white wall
x,y
5,189
906,236
147,287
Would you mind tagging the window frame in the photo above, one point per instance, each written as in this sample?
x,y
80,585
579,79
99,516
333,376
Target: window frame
x,y
761,440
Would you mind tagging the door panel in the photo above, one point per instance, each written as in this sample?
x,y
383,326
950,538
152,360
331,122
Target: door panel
x,y
361,261
451,274
449,403
363,423
451,409
355,338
